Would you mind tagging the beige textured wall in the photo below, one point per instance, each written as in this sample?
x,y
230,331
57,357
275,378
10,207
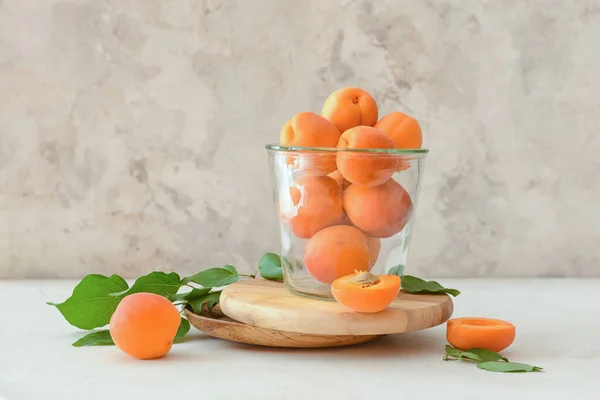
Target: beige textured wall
x,y
132,132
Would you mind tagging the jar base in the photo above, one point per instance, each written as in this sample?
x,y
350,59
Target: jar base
x,y
317,294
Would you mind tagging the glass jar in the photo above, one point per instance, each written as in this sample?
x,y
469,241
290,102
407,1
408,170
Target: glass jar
x,y
341,211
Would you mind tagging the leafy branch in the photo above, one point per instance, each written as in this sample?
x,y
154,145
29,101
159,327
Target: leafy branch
x,y
96,297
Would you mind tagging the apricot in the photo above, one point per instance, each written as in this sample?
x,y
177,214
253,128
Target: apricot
x,y
350,107
336,251
341,181
374,245
365,292
379,211
481,333
366,169
404,130
319,205
144,325
308,129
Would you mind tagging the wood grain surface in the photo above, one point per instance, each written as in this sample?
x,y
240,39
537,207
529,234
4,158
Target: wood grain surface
x,y
228,329
267,304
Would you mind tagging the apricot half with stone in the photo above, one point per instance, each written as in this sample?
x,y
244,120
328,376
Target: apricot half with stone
x,y
365,292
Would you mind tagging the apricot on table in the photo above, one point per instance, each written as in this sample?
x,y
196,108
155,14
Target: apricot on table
x,y
404,130
336,251
144,325
319,205
379,211
350,107
482,333
366,292
366,169
308,129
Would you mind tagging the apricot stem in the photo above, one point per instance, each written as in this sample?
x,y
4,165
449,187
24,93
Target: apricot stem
x,y
365,279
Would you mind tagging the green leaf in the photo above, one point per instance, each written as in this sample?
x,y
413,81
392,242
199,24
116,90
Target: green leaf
x,y
500,366
156,282
480,355
214,277
270,267
452,352
230,268
211,299
184,328
92,304
98,338
397,270
119,280
412,284
484,355
193,294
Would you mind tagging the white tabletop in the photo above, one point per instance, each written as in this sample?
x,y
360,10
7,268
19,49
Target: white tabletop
x,y
557,322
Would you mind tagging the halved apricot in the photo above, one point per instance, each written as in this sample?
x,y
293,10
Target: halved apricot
x,y
364,292
482,333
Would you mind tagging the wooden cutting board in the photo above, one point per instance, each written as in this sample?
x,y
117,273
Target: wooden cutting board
x,y
268,304
225,328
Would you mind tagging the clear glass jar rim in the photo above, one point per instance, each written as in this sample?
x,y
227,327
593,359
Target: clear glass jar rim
x,y
278,148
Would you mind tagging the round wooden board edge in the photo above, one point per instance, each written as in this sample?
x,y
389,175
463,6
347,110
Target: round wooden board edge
x,y
227,329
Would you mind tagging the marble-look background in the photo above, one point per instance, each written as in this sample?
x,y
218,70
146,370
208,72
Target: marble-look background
x,y
132,132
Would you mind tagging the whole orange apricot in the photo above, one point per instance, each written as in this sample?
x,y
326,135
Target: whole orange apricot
x,y
342,183
366,169
404,130
336,251
374,245
350,107
379,211
308,129
318,205
144,325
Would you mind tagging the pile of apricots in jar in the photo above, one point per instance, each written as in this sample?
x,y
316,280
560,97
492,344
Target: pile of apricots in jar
x,y
345,202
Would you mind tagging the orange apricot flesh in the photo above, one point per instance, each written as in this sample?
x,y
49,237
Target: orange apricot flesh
x,y
365,292
482,333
